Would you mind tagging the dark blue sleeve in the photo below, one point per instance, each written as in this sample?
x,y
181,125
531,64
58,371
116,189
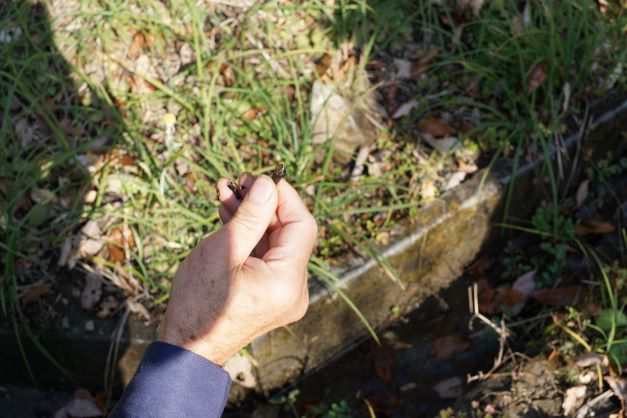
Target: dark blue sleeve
x,y
173,382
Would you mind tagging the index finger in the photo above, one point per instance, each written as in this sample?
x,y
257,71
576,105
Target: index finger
x,y
294,240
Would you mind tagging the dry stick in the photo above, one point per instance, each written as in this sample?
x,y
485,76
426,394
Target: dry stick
x,y
502,331
584,411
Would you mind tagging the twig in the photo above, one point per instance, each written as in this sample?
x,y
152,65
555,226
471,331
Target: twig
x,y
584,411
501,330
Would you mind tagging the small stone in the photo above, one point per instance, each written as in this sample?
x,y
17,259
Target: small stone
x,y
89,325
65,322
90,196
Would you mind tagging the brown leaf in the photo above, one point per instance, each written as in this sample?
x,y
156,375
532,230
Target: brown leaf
x,y
119,239
493,301
138,44
36,292
561,296
323,64
254,113
593,226
446,347
582,193
480,266
537,76
436,127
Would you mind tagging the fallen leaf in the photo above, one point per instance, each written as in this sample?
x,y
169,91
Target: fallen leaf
x,y
436,127
446,347
442,145
493,301
89,247
590,359
561,296
466,167
403,68
455,180
405,109
92,292
573,399
138,44
35,293
119,239
253,113
428,189
592,226
525,285
323,64
537,76
582,193
449,388
480,266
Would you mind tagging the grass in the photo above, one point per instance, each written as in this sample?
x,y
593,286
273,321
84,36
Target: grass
x,y
98,95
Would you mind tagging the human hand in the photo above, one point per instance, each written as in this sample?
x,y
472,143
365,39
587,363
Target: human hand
x,y
246,279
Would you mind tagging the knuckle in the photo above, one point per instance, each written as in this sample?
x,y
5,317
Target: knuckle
x,y
245,218
312,225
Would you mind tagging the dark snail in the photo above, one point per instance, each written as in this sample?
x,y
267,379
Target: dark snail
x,y
276,176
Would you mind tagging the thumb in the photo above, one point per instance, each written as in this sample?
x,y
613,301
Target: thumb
x,y
252,218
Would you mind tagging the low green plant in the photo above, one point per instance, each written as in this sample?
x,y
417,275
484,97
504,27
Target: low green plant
x,y
335,410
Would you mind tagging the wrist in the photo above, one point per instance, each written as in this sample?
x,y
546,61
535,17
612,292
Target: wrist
x,y
203,345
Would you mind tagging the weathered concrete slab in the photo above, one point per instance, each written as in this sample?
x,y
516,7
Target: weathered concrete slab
x,y
450,232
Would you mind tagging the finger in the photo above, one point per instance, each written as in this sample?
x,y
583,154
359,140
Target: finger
x,y
246,180
249,223
293,242
225,215
226,196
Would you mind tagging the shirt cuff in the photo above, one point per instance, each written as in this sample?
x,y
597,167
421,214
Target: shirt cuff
x,y
173,382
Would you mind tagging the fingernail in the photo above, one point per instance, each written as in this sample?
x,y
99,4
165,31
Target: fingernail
x,y
262,190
